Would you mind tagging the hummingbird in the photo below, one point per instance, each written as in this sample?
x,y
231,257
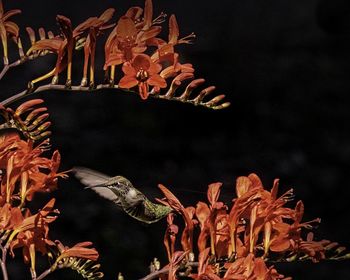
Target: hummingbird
x,y
121,191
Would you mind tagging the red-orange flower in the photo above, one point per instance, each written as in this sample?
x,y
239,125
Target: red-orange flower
x,y
170,236
7,28
79,250
31,232
142,72
186,213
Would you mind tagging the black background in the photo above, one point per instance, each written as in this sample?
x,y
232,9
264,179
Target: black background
x,y
284,65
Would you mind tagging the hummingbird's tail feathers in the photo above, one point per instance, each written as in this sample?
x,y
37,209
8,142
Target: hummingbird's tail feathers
x,y
89,177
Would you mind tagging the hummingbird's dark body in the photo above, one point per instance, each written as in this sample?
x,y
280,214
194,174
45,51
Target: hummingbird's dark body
x,y
120,190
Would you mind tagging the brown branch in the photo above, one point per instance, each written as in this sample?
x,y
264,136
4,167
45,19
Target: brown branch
x,y
44,274
48,87
18,62
13,64
3,262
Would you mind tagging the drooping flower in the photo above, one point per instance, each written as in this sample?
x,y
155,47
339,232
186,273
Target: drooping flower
x,y
7,29
170,236
187,234
142,72
95,25
79,250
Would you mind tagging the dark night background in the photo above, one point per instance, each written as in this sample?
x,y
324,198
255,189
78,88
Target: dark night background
x,y
283,64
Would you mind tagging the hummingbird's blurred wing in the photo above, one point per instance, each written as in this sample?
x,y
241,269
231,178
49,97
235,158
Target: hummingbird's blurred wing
x,y
89,177
95,180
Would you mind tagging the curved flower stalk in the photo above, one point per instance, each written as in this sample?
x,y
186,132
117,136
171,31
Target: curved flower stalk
x,y
150,65
242,241
28,118
80,258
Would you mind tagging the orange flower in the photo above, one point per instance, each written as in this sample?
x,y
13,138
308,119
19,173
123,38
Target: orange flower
x,y
29,119
25,169
79,250
63,45
166,50
187,214
9,217
126,41
41,182
251,268
31,241
170,236
38,221
95,25
31,232
7,28
142,72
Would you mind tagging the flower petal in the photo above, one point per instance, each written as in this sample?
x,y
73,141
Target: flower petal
x,y
126,29
107,15
141,61
173,30
128,82
214,192
128,69
156,80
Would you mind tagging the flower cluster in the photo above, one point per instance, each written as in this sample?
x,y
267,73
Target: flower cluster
x,y
25,171
239,242
132,49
